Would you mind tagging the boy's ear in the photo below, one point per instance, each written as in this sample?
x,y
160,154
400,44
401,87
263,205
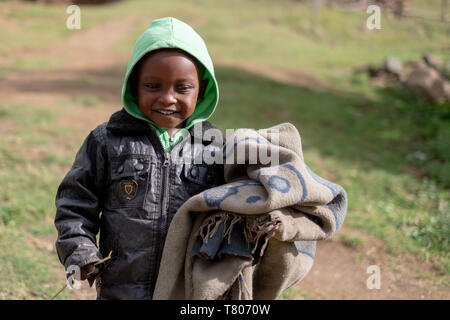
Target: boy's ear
x,y
201,92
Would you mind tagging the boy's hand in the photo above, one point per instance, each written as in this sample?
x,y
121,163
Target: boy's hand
x,y
88,270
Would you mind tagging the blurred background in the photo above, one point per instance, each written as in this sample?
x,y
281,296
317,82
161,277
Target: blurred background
x,y
372,107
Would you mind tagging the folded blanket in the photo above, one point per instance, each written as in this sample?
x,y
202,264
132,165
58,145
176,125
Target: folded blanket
x,y
254,236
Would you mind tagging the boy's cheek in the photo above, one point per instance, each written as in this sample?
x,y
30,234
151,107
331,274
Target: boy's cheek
x,y
145,102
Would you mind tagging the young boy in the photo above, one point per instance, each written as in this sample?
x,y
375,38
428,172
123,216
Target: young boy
x,y
124,181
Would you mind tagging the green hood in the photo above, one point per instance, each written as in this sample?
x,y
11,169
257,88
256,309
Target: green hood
x,y
173,33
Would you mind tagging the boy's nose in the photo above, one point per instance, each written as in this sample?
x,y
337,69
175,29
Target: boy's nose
x,y
167,98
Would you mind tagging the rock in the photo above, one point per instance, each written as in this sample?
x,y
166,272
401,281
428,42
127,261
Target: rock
x,y
428,83
417,155
433,61
409,66
393,65
446,70
373,71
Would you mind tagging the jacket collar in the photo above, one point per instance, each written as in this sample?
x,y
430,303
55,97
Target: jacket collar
x,y
122,122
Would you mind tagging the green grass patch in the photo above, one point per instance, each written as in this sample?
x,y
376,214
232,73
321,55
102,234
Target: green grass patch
x,y
296,293
87,100
27,64
23,273
276,34
27,115
280,34
350,241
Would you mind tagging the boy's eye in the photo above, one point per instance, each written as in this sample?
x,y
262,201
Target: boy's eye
x,y
184,87
180,87
152,85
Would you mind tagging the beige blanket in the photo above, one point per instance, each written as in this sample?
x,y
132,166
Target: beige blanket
x,y
283,207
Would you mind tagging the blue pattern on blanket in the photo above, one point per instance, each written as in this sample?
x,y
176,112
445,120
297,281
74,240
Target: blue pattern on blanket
x,y
253,199
306,247
257,139
300,177
338,206
279,183
213,198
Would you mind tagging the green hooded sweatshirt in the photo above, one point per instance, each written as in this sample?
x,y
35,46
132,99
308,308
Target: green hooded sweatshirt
x,y
173,33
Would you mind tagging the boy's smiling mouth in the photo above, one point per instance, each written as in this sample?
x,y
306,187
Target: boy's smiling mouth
x,y
166,112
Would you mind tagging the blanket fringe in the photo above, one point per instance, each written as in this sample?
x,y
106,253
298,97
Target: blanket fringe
x,y
260,227
234,219
256,229
210,225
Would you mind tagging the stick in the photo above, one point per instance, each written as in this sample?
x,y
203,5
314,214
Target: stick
x,y
95,264
104,259
60,290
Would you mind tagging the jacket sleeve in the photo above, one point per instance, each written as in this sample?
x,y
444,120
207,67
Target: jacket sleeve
x,y
78,205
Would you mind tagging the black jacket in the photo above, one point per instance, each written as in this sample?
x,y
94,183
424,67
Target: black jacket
x,y
124,185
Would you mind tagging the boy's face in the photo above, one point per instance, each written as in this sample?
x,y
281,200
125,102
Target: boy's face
x,y
167,88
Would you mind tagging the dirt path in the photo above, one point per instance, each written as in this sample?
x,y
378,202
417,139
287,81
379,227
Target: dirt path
x,y
339,272
87,67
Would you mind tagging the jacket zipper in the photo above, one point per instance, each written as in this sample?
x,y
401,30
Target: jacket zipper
x,y
165,167
163,204
165,174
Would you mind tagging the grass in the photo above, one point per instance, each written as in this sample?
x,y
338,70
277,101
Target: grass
x,y
337,45
295,293
30,172
87,100
350,241
371,141
340,42
26,273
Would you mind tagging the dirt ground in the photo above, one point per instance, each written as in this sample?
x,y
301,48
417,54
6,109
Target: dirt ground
x,y
342,272
339,271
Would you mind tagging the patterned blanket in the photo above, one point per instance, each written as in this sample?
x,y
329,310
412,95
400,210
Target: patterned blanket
x,y
254,236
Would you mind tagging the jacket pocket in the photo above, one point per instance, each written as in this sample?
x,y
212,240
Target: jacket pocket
x,y
129,181
199,178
